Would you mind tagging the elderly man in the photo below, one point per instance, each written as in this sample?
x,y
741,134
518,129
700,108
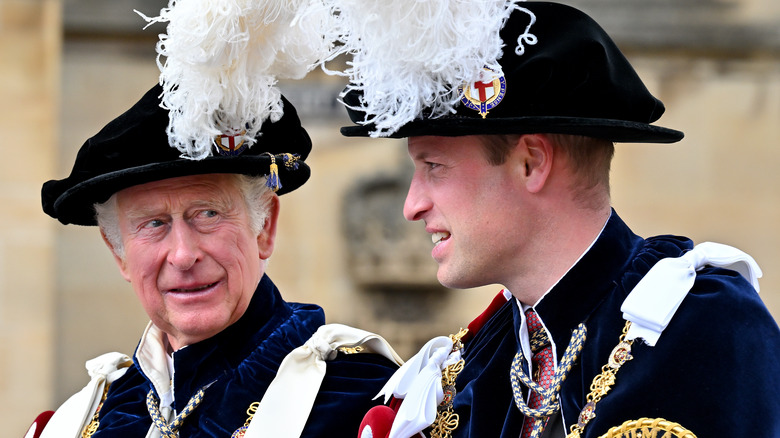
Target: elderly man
x,y
193,238
184,188
511,114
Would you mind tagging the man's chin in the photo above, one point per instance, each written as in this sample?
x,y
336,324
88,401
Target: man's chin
x,y
457,280
450,281
193,328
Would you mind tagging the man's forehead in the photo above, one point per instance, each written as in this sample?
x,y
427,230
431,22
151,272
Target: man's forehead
x,y
428,146
423,146
211,181
195,190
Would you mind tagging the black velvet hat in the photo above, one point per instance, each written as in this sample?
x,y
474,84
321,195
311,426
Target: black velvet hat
x,y
134,149
571,79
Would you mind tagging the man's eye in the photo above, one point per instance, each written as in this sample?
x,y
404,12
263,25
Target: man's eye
x,y
432,165
206,216
154,223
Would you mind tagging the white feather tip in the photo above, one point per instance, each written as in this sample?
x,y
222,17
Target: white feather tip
x,y
220,61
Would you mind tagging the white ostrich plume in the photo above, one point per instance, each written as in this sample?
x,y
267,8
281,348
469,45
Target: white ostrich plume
x,y
409,56
220,61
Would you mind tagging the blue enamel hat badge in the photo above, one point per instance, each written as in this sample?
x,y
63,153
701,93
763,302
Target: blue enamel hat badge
x,y
484,96
230,145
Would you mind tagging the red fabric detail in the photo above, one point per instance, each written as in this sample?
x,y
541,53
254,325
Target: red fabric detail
x,y
543,366
38,424
479,321
379,419
395,403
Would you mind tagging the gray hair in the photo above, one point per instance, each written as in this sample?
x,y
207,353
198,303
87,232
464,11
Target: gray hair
x,y
256,194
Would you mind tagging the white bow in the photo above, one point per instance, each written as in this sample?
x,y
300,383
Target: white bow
x,y
287,402
77,411
418,383
655,299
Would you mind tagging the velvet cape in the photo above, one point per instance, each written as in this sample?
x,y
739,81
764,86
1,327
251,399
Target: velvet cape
x,y
715,369
241,361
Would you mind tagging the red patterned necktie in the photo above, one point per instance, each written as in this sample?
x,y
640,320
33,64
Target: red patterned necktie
x,y
543,366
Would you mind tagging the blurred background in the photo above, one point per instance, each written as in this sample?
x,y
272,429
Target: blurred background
x,y
67,67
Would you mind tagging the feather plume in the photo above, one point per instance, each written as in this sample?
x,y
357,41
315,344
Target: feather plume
x,y
220,61
411,56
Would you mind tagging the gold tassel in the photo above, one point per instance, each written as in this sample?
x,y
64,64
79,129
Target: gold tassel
x,y
273,181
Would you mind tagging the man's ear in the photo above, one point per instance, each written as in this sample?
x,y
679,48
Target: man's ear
x,y
267,236
537,154
119,260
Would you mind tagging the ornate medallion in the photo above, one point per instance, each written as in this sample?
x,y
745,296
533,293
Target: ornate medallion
x,y
229,145
588,413
240,432
484,96
449,396
620,355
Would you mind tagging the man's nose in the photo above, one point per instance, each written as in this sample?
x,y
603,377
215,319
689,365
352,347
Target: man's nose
x,y
417,203
184,251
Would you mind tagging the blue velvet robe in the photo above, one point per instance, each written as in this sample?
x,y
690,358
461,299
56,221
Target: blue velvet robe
x,y
242,361
715,370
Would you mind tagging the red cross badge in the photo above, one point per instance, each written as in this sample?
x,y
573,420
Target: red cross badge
x,y
227,144
485,94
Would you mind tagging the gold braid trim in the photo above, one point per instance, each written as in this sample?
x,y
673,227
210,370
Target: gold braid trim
x,y
648,427
446,419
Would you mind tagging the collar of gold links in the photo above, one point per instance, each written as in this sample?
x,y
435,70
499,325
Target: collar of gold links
x,y
446,419
603,382
250,412
93,425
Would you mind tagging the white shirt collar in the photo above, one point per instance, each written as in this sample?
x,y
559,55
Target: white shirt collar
x,y
155,362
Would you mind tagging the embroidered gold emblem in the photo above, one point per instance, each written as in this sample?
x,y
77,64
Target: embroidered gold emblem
x,y
648,428
351,350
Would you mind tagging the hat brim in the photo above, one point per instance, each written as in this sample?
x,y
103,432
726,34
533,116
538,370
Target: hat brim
x,y
75,205
621,131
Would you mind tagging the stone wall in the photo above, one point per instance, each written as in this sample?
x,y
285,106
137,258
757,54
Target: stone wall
x,y
29,81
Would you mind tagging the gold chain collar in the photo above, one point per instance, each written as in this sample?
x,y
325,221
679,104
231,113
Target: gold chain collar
x,y
446,419
603,382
